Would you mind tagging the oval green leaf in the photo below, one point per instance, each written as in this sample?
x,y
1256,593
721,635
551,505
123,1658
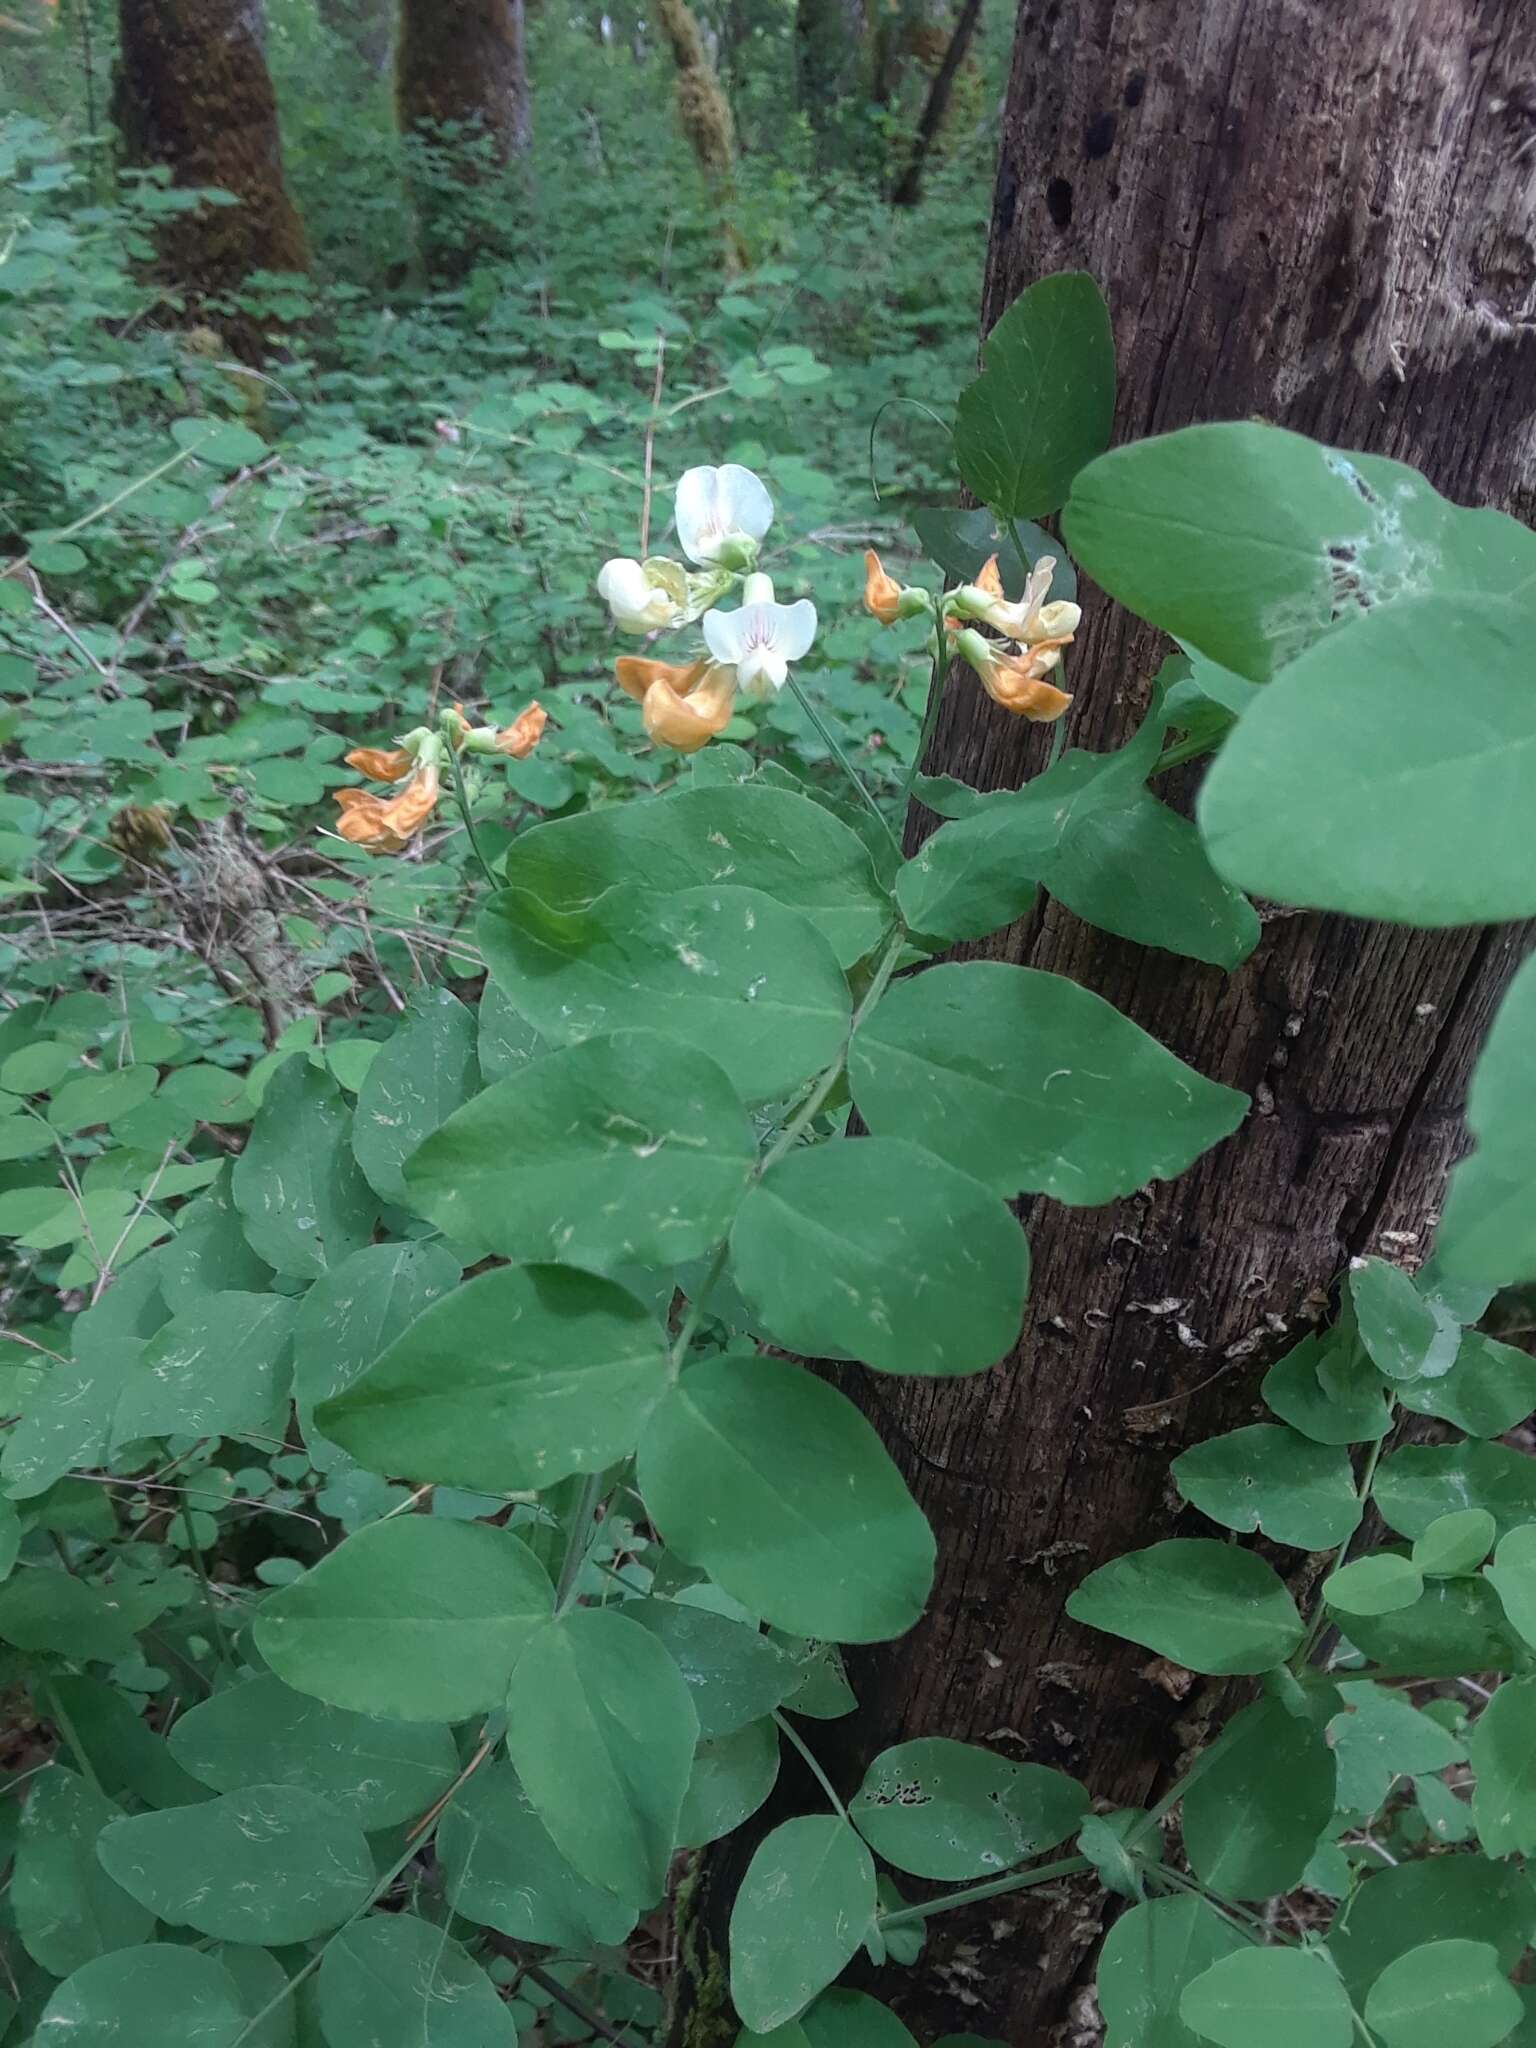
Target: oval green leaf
x,y
1032,1084
618,1151
775,1484
416,1618
728,972
516,1379
883,1252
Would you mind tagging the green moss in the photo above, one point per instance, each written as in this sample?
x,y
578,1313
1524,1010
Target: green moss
x,y
702,2015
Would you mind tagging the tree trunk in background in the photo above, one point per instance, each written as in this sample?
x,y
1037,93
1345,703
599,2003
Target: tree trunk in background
x,y
909,186
829,60
193,94
365,27
1323,216
463,62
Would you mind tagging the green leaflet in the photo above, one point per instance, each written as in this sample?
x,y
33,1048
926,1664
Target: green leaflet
x,y
1488,1389
1249,543
160,1993
125,1754
393,1977
1486,1232
601,1731
49,1610
961,542
1255,1813
1502,1749
735,1675
804,1906
732,1776
305,1205
852,2019
353,1314
752,836
1512,1576
1455,1544
1402,1335
420,1075
417,1619
269,1864
616,1151
1089,832
502,1869
1204,1604
1382,1583
1044,402
1444,1898
777,1486
1417,1485
68,1909
514,1380
1032,1084
261,1732
1446,1990
951,1810
221,1367
1455,1625
1379,1738
1339,791
1359,1412
1272,1479
746,981
1269,1998
1151,1954
884,1252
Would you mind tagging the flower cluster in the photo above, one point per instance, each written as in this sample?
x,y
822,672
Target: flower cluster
x,y
721,516
388,824
1032,633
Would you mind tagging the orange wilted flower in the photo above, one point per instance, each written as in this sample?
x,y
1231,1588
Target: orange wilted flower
x,y
519,739
687,722
882,593
885,598
635,675
388,824
381,764
1016,681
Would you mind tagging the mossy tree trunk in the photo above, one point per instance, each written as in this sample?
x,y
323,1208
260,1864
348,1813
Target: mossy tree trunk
x,y
704,113
463,62
193,93
1347,247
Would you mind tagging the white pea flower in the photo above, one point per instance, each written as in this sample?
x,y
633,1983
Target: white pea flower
x,y
722,514
761,639
644,597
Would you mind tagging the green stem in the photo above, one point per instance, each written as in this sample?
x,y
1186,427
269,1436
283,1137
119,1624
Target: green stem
x,y
787,1727
576,1543
931,708
830,741
1189,749
469,824
201,1569
1319,1619
995,1888
827,1080
696,1306
71,1735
